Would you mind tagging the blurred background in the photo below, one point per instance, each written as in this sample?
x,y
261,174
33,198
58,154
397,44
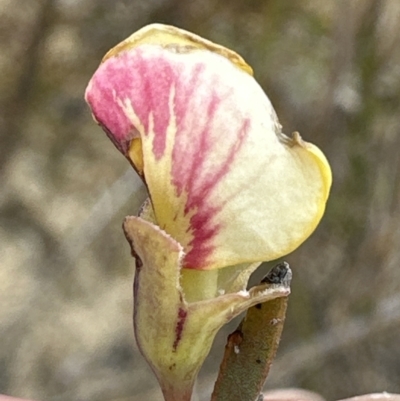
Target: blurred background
x,y
332,71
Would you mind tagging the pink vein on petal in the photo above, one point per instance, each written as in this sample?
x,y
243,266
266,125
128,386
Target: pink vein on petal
x,y
158,77
143,80
203,223
189,164
146,77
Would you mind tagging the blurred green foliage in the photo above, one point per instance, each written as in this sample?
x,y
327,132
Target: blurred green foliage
x,y
332,72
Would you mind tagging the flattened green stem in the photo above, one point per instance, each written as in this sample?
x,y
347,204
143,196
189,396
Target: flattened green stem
x,y
251,348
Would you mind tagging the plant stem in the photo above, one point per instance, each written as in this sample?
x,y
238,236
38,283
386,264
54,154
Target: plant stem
x,y
251,348
177,391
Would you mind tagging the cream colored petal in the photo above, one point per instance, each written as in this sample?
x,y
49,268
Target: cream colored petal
x,y
223,180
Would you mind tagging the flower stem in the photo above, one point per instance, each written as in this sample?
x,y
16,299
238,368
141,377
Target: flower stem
x,y
251,348
177,391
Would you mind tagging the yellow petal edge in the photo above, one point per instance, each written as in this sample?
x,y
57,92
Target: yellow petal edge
x,y
177,40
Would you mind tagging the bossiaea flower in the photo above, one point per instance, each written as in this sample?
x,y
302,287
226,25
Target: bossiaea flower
x,y
227,189
222,178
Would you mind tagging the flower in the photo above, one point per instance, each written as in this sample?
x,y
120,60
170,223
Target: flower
x,y
227,189
222,178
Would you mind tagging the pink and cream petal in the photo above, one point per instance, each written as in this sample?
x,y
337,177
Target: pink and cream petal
x,y
223,180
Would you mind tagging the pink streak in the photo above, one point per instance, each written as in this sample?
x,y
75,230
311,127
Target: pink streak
x,y
147,76
130,76
182,314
